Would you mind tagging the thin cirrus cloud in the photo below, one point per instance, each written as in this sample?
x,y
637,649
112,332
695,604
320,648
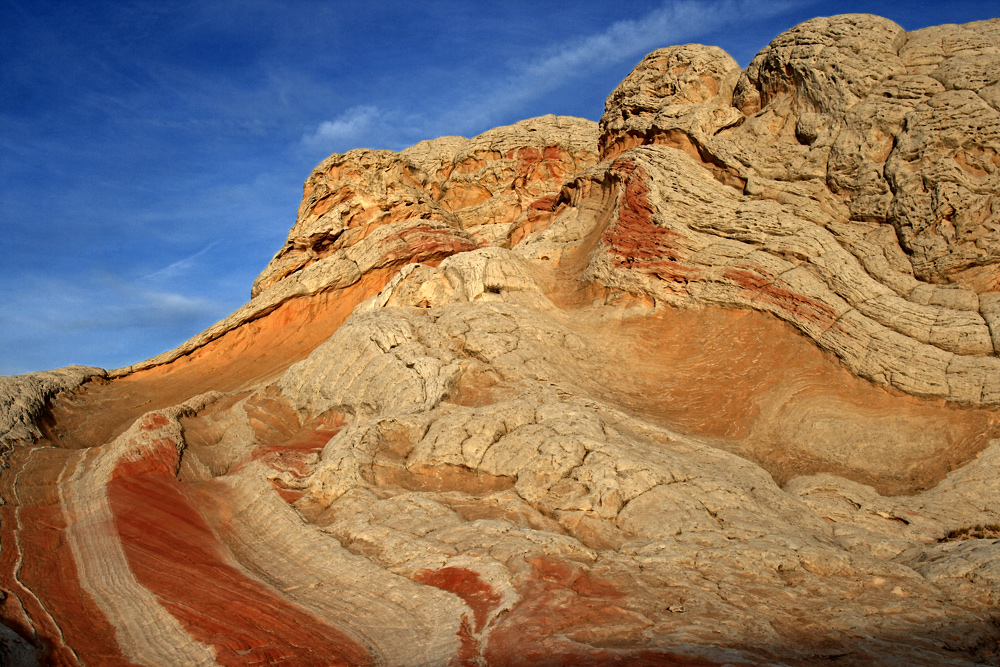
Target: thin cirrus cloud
x,y
179,267
345,130
71,305
621,42
98,320
493,99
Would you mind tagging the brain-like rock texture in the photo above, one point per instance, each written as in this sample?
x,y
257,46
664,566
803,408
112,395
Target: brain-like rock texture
x,y
714,381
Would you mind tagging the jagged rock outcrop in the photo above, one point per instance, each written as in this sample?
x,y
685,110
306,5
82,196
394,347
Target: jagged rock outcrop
x,y
23,400
712,382
361,207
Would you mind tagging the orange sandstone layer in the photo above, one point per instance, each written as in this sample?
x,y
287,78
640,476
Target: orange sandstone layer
x,y
253,353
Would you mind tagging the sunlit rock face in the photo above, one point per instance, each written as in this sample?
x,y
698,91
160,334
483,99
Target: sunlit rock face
x,y
714,381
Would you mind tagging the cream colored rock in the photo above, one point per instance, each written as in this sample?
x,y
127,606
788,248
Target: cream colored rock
x,y
944,171
823,66
722,248
634,504
23,399
146,631
398,621
475,186
679,96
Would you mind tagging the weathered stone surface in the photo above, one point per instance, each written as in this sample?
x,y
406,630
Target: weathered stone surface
x,y
823,66
945,171
679,96
23,399
846,126
440,197
714,382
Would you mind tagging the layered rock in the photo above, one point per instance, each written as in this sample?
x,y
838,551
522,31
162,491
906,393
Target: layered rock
x,y
370,209
848,123
713,382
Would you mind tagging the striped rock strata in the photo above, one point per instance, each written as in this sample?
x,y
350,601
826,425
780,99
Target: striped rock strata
x,y
712,382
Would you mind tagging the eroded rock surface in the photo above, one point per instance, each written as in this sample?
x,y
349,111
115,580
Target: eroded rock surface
x,y
712,382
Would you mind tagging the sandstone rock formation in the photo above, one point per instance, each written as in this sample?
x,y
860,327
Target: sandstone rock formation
x,y
712,382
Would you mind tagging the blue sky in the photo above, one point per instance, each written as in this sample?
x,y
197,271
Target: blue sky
x,y
152,153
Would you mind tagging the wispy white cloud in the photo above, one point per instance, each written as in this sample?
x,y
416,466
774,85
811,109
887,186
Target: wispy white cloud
x,y
179,267
621,42
109,301
158,309
524,79
101,319
349,130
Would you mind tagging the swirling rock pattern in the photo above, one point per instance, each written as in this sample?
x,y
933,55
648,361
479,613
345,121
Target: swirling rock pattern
x,y
712,382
